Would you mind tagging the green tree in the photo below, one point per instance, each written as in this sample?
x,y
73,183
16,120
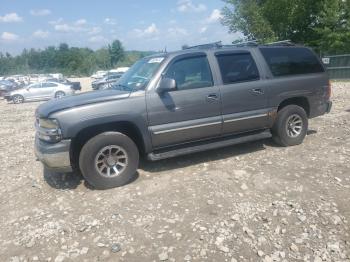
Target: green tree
x,y
322,24
116,52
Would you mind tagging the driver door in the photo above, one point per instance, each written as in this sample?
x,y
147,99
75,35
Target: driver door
x,y
192,111
33,91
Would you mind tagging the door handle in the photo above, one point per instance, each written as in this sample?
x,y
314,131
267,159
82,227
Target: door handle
x,y
212,97
257,91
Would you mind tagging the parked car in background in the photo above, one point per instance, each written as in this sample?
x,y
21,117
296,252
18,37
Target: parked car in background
x,y
119,70
99,74
107,81
7,86
75,85
40,91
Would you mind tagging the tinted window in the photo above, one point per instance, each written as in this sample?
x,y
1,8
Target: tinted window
x,y
45,85
291,61
191,73
35,86
237,67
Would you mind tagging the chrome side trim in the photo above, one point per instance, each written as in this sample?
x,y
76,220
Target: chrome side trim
x,y
245,118
185,128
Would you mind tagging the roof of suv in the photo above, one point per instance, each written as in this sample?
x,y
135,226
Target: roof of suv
x,y
218,47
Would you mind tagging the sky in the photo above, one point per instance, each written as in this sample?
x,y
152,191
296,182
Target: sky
x,y
150,25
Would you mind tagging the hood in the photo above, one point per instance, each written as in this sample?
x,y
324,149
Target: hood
x,y
55,105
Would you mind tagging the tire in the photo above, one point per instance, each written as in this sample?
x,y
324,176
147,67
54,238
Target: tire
x,y
291,126
60,94
18,99
94,163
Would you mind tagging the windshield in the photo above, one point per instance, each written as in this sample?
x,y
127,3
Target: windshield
x,y
139,75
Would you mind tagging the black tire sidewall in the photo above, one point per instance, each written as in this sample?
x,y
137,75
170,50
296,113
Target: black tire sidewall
x,y
94,145
60,92
279,129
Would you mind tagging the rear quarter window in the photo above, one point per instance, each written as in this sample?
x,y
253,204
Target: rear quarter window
x,y
291,61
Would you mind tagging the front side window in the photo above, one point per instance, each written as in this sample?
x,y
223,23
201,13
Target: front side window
x,y
35,86
190,73
237,67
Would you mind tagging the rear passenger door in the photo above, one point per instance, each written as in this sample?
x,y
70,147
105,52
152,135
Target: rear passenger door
x,y
243,91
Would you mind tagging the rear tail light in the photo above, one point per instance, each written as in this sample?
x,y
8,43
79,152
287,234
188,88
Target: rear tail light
x,y
329,90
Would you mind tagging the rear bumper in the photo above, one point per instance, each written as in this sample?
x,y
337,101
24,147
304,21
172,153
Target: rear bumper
x,y
55,157
8,97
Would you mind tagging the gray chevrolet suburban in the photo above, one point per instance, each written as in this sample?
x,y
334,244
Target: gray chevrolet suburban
x,y
183,102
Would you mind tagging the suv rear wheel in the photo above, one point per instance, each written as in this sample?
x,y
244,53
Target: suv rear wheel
x,y
291,126
109,160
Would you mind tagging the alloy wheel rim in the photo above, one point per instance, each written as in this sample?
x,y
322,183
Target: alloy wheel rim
x,y
294,126
59,95
17,99
111,161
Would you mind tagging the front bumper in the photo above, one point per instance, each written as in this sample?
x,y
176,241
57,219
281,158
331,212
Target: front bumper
x,y
55,157
329,107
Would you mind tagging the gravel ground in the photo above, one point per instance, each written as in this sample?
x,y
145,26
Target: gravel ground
x,y
252,202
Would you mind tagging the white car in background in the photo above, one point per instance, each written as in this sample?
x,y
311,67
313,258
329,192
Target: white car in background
x,y
99,74
39,91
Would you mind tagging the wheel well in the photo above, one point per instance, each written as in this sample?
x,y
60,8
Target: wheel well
x,y
86,134
299,101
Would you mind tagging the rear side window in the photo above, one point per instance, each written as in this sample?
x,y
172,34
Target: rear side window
x,y
239,67
291,61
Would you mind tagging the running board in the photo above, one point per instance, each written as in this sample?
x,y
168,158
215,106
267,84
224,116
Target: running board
x,y
243,138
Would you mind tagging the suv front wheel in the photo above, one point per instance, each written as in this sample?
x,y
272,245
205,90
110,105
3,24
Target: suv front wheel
x,y
291,126
109,160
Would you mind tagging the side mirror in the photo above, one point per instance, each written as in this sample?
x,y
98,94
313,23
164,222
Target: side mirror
x,y
166,85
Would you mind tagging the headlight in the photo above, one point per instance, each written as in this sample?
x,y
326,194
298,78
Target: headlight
x,y
48,130
48,123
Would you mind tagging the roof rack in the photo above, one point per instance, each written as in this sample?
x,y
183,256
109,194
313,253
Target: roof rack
x,y
245,43
281,43
206,46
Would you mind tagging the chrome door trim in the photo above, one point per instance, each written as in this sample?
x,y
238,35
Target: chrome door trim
x,y
246,118
186,128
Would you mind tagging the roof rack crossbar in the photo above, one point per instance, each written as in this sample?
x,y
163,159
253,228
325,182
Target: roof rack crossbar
x,y
205,46
283,42
246,43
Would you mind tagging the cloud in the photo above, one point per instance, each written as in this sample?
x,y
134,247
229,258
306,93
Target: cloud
x,y
98,39
203,30
185,6
40,12
80,22
11,18
95,30
56,22
6,36
214,17
41,34
177,31
110,21
69,28
150,31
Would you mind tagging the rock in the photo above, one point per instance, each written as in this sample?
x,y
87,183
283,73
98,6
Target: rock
x,y
318,259
268,259
244,186
333,247
210,202
84,251
60,258
294,248
203,253
336,220
187,258
224,249
260,253
115,248
163,256
235,217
